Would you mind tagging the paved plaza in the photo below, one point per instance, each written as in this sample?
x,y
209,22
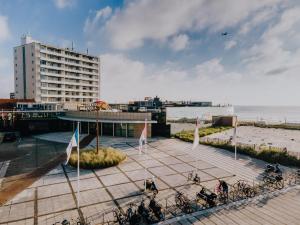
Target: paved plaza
x,y
53,197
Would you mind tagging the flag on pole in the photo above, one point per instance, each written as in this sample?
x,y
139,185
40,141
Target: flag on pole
x,y
196,135
143,138
234,132
73,143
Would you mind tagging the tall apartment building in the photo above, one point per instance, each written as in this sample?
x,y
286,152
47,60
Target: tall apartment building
x,y
58,75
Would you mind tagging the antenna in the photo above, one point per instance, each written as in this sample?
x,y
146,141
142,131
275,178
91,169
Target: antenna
x,y
72,46
87,51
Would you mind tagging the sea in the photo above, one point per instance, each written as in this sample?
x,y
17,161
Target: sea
x,y
275,114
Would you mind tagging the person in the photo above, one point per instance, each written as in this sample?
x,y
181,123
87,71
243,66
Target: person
x,y
222,188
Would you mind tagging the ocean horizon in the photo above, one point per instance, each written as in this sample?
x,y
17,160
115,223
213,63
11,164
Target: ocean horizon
x,y
277,114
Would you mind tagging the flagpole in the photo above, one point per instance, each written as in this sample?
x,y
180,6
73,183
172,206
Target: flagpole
x,y
235,150
145,150
78,172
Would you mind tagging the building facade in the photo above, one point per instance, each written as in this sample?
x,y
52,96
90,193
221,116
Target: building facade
x,y
50,74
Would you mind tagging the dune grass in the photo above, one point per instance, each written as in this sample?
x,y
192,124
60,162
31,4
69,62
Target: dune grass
x,y
89,159
203,131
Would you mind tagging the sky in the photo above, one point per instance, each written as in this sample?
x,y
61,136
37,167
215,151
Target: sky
x,y
170,48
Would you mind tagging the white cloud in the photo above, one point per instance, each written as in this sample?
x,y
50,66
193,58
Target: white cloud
x,y
179,42
61,4
262,16
158,20
278,50
91,24
230,44
4,29
124,79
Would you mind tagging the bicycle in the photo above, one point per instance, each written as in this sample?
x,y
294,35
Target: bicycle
x,y
182,202
195,179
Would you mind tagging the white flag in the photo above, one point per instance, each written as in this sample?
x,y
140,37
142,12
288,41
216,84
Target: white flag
x,y
143,138
73,143
234,132
196,135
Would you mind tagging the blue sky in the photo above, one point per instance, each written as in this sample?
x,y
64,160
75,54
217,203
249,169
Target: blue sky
x,y
170,48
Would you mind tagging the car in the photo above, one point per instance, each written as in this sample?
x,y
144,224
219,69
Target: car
x,y
9,137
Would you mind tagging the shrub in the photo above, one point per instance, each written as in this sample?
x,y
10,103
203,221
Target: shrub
x,y
268,154
89,159
204,131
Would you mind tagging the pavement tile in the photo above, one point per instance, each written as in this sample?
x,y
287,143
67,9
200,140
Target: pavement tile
x,y
53,190
217,172
130,166
86,184
22,222
21,211
99,213
4,213
55,204
141,157
94,196
162,171
84,174
170,160
174,180
139,174
58,217
113,179
181,168
150,163
24,196
123,190
106,171
159,155
186,158
201,164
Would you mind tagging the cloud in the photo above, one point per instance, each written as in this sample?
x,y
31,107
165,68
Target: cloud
x,y
158,20
277,48
230,44
257,19
179,42
61,4
92,23
4,28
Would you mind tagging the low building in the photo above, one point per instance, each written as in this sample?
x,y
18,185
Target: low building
x,y
116,124
224,120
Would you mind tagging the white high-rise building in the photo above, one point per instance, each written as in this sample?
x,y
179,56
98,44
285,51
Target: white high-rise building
x,y
50,74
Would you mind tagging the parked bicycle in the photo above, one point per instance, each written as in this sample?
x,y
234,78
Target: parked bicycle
x,y
120,218
274,181
207,197
156,209
193,177
145,213
241,189
183,202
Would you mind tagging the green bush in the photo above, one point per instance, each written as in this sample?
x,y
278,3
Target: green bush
x,y
204,131
89,159
268,154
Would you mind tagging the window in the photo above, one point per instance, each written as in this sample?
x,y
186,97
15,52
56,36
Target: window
x,y
32,62
16,78
32,54
32,69
16,65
